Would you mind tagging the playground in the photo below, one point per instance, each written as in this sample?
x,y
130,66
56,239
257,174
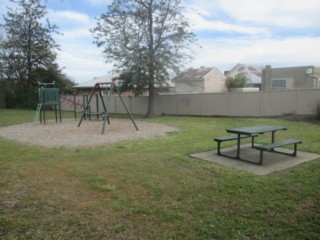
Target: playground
x,y
68,134
146,186
86,132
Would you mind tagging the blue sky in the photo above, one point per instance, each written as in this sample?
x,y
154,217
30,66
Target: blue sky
x,y
278,33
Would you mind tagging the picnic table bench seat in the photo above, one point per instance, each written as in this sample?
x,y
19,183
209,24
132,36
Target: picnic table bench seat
x,y
272,146
219,140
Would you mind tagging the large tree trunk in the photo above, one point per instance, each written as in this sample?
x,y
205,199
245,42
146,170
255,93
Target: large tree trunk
x,y
150,112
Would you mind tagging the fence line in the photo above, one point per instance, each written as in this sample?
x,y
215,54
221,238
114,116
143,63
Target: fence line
x,y
240,104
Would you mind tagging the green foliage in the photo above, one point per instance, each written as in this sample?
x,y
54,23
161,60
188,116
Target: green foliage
x,y
134,81
27,51
238,81
152,189
145,39
18,97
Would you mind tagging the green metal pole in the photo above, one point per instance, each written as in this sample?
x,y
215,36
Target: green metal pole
x,y
84,105
86,108
74,105
106,116
97,105
59,105
117,90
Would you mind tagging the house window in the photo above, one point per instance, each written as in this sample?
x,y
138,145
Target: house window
x,y
279,83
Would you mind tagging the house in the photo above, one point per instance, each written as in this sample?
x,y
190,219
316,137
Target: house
x,y
202,80
290,77
86,87
253,73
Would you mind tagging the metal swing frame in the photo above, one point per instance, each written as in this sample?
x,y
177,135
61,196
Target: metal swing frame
x,y
105,114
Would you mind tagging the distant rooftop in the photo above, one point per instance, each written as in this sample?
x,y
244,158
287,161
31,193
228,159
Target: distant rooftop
x,y
254,73
193,74
92,83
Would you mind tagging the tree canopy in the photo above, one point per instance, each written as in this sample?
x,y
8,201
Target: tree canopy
x,y
28,49
147,40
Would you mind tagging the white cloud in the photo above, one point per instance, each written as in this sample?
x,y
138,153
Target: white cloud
x,y
285,13
82,62
263,22
79,57
199,23
226,53
70,16
77,34
258,20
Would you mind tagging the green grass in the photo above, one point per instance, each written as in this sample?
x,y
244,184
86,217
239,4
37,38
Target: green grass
x,y
151,189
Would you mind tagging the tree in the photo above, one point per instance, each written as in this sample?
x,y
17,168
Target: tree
x,y
28,46
238,81
133,81
149,39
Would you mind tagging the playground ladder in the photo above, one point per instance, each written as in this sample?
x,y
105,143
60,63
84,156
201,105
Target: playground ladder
x,y
36,117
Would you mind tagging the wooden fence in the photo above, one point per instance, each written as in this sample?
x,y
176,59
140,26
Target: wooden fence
x,y
240,104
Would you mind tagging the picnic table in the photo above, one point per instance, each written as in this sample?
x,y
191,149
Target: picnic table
x,y
253,132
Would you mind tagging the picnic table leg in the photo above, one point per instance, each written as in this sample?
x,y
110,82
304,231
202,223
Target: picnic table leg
x,y
238,146
261,157
272,139
295,150
219,153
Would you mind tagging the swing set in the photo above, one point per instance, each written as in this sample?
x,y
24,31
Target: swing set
x,y
105,113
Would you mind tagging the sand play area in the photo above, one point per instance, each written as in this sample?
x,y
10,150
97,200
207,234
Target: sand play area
x,y
68,133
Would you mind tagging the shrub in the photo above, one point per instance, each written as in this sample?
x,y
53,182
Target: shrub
x,y
238,81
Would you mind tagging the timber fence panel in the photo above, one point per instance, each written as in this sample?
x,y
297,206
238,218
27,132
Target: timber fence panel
x,y
119,108
219,104
135,105
277,103
255,104
68,102
157,106
307,101
139,105
183,104
169,104
206,102
244,104
188,104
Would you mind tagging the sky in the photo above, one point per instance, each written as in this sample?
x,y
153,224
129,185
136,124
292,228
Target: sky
x,y
282,33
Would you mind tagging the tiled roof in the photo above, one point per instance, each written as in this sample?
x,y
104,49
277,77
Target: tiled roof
x,y
193,74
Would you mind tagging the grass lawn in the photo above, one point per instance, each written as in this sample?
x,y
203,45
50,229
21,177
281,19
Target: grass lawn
x,y
152,189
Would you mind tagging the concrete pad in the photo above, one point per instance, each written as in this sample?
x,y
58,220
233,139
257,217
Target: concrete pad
x,y
272,162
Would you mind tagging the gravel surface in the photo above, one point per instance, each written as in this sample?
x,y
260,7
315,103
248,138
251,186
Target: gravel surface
x,y
68,133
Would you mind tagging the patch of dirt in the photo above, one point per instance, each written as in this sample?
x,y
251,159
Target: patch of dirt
x,y
68,133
